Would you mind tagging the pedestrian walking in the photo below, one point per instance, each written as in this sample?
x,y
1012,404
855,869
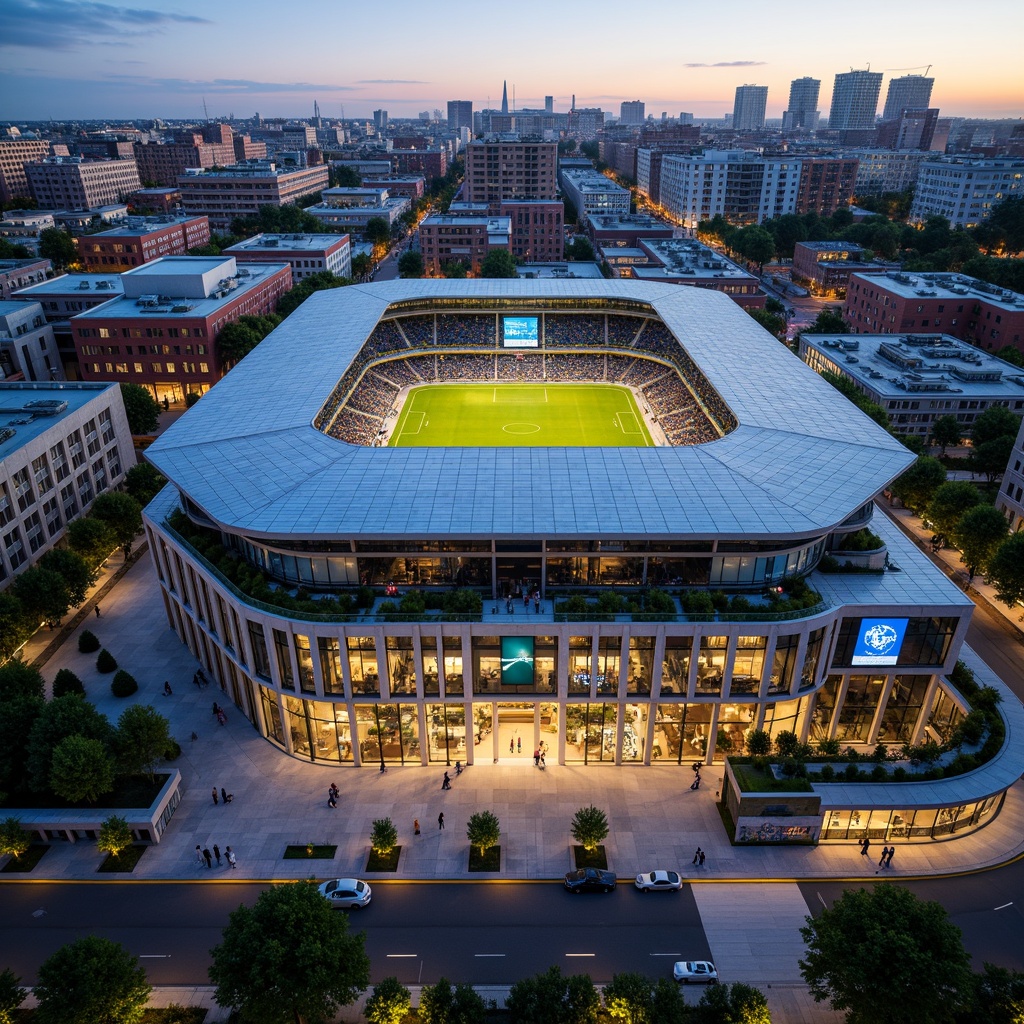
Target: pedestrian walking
x,y
440,821
415,826
543,763
208,857
885,853
536,605
864,846
331,802
512,746
221,718
224,796
446,782
167,688
229,853
216,853
195,735
888,856
199,855
536,757
97,611
335,792
701,858
202,678
697,855
519,745
214,796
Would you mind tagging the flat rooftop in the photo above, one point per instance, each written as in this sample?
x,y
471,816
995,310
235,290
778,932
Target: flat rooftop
x,y
28,423
628,222
107,285
144,225
687,257
558,271
948,286
286,243
905,365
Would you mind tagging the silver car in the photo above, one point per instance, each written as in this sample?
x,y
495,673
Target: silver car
x,y
695,971
346,893
658,881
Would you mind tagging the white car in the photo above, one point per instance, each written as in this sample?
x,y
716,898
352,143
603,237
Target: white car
x,y
346,893
656,881
695,970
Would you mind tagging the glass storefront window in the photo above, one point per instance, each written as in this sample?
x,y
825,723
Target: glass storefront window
x,y
681,732
258,641
431,675
641,665
545,655
581,650
284,659
446,731
401,665
903,709
809,675
634,732
675,666
387,733
272,715
784,664
483,719
362,665
748,665
734,721
782,717
711,665
946,715
330,663
590,732
486,664
304,659
330,729
609,656
549,727
859,707
824,706
454,681
298,728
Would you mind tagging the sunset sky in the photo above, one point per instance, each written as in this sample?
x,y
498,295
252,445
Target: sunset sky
x,y
66,59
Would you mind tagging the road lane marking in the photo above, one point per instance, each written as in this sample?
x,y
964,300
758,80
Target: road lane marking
x,y
581,954
402,956
666,954
1004,906
488,954
154,956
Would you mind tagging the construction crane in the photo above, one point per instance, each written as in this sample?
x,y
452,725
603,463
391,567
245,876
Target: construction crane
x,y
927,68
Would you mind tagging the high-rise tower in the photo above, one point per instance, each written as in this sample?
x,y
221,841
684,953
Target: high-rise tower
x,y
504,97
911,92
802,112
855,100
748,110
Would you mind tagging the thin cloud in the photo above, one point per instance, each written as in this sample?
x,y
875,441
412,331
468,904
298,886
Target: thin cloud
x,y
66,24
226,86
390,81
730,64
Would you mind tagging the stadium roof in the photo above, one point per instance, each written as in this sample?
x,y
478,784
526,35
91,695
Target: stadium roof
x,y
801,460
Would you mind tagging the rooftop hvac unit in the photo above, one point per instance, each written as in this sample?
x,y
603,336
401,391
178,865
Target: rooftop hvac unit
x,y
83,285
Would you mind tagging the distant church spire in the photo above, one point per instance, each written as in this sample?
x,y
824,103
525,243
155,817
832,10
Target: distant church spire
x,y
504,97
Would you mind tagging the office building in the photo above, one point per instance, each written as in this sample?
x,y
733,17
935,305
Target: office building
x,y
883,170
964,191
14,155
380,120
1010,500
28,350
429,161
854,100
306,254
748,108
632,112
609,231
461,239
825,267
140,240
918,378
18,274
240,190
913,129
61,445
538,228
592,193
792,475
460,115
896,303
412,186
165,163
802,113
351,209
910,92
70,183
162,333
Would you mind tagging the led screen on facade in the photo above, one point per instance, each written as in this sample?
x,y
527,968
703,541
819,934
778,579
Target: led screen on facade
x,y
517,661
879,641
520,332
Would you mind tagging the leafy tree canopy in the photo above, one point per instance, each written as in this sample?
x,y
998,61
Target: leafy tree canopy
x,y
60,718
114,836
1006,570
916,486
498,263
19,679
580,250
589,827
57,245
141,740
483,830
444,1004
81,769
949,502
141,408
993,423
388,1003
946,432
289,956
123,516
43,594
828,321
143,482
92,538
552,998
77,573
410,264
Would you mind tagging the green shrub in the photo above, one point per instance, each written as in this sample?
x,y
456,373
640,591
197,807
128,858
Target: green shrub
x,y
971,729
173,751
65,681
739,603
719,600
851,773
899,774
827,773
698,602
880,753
124,684
88,642
759,743
829,747
879,774
786,743
658,602
790,767
610,603
963,679
105,661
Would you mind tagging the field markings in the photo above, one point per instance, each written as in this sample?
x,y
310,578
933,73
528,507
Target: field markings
x,y
421,422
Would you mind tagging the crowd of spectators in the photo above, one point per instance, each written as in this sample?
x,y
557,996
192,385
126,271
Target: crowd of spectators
x,y
685,428
375,395
355,427
386,337
465,330
575,367
622,330
657,338
573,331
402,372
463,367
418,330
527,366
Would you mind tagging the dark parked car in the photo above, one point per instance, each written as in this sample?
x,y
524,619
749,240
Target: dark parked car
x,y
589,880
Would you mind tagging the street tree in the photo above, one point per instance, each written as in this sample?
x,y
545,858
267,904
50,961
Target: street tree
x,y
589,827
949,502
388,1003
828,321
237,339
20,679
498,263
410,264
757,245
91,981
997,997
990,457
916,486
580,250
14,840
444,1004
483,830
733,1004
141,408
454,269
996,421
58,719
115,835
91,538
15,625
978,533
629,997
81,769
361,264
1006,570
378,231
12,995
17,716
43,594
774,323
288,958
552,998
58,246
383,837
143,483
123,516
886,957
141,739
946,432
77,573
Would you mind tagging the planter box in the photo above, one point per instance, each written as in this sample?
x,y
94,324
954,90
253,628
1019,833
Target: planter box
x,y
777,818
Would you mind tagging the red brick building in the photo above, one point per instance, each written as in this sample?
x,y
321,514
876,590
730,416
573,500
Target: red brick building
x,y
538,228
971,310
141,240
498,171
162,333
445,239
826,184
70,183
431,163
410,185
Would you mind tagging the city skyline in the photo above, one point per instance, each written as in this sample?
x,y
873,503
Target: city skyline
x,y
79,59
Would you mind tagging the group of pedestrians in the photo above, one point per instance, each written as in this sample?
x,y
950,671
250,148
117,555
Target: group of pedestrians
x,y
887,853
205,858
698,858
225,796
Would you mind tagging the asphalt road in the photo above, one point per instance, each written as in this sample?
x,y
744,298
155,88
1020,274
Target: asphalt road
x,y
477,933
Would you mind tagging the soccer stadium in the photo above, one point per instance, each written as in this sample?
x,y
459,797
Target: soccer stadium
x,y
436,521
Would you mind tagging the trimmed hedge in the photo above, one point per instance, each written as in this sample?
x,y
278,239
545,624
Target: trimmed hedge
x,y
105,662
124,684
88,642
65,681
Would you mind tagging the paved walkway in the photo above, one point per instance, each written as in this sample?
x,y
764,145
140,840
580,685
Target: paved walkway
x,y
656,819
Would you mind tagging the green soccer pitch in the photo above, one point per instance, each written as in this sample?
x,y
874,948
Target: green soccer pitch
x,y
520,415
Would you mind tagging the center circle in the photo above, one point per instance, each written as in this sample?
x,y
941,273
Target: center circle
x,y
521,428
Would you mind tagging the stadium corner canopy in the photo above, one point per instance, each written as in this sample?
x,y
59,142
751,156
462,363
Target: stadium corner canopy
x,y
422,517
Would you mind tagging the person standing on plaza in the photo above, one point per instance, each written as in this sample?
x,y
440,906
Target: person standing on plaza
x,y
888,856
415,826
199,855
697,856
97,611
885,853
224,796
702,855
216,853
512,746
864,847
440,821
214,796
519,745
208,857
229,853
